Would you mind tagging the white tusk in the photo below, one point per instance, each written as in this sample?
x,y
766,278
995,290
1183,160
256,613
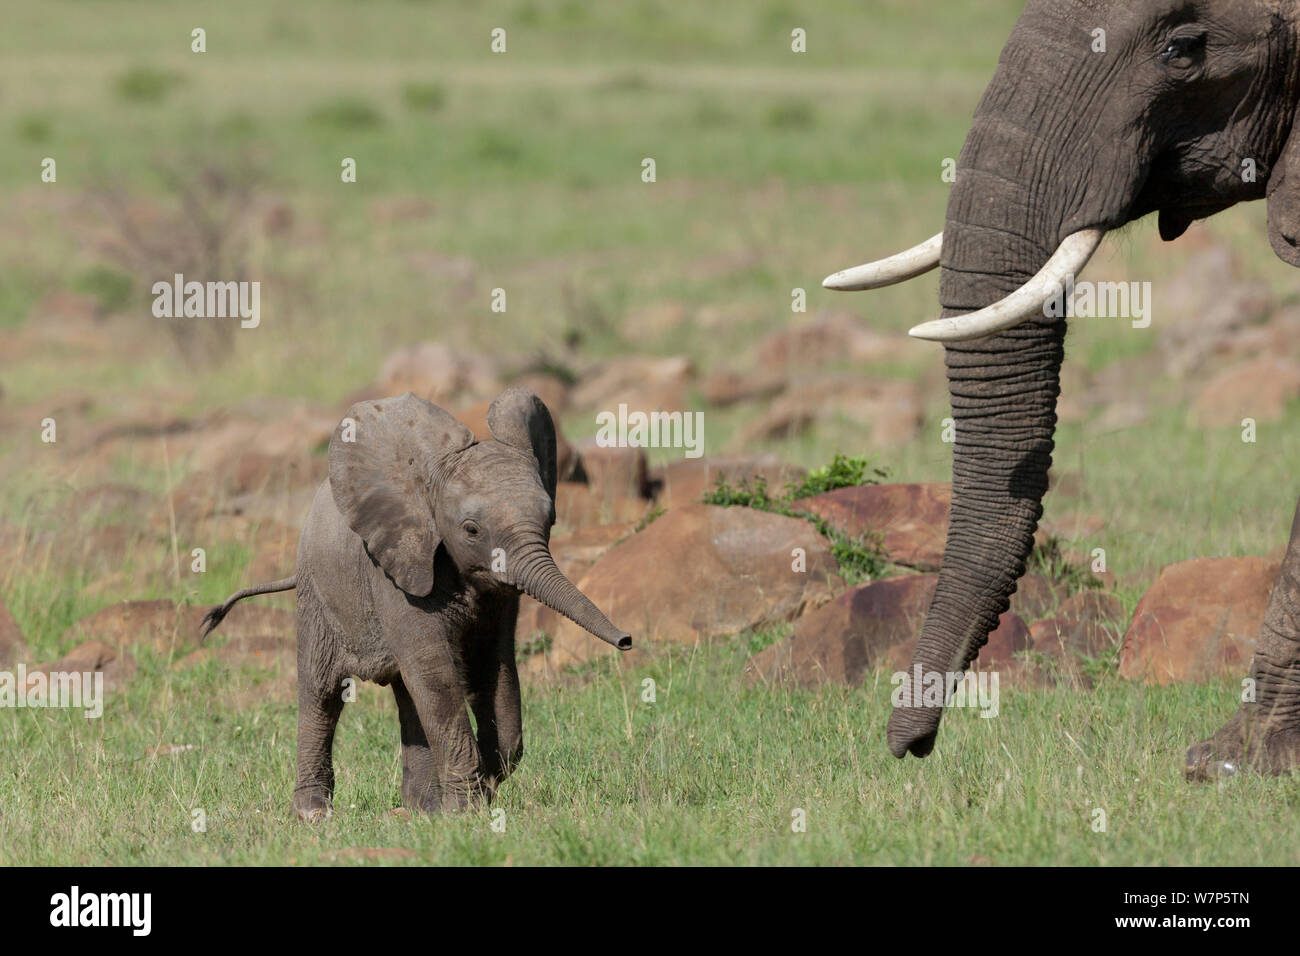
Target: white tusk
x,y
876,275
1023,304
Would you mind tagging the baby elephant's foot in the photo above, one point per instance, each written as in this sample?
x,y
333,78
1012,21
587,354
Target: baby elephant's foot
x,y
1249,741
313,806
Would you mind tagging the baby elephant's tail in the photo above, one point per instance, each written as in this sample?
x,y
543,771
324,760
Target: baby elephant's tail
x,y
214,617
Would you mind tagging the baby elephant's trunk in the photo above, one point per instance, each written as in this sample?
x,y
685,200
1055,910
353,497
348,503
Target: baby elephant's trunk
x,y
534,572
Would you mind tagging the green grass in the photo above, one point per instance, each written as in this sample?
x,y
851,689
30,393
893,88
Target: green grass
x,y
711,773
774,169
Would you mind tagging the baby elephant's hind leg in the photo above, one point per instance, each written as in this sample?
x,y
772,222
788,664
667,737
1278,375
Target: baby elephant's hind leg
x,y
320,702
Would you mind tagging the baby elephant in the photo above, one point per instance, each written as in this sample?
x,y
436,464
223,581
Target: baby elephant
x,y
409,571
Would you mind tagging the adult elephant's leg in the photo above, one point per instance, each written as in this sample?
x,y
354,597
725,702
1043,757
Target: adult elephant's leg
x,y
421,789
1264,735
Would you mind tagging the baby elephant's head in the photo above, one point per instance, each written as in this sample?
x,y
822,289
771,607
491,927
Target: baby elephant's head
x,y
410,479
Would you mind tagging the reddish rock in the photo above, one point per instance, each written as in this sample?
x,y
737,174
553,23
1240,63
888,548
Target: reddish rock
x,y
725,388
1259,389
828,338
912,519
90,657
1036,596
1058,636
1199,620
611,472
245,483
1216,304
643,383
873,627
274,650
1008,639
168,628
700,571
650,323
1094,605
553,392
440,374
576,552
843,640
579,505
891,412
269,434
1070,527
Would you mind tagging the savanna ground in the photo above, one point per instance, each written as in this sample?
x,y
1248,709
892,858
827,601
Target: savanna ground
x,y
773,170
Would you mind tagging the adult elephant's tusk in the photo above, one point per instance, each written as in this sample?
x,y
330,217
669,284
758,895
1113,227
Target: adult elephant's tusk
x,y
1026,302
876,275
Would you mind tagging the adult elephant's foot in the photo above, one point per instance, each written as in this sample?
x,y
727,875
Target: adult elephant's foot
x,y
1264,735
1249,741
312,805
465,793
428,801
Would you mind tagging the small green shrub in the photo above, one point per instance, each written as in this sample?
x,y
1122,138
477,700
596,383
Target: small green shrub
x,y
34,128
424,97
843,472
494,146
144,84
112,289
625,81
347,114
746,494
793,114
861,558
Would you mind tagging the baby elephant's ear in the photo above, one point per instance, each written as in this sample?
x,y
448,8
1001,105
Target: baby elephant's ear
x,y
382,458
520,419
1284,201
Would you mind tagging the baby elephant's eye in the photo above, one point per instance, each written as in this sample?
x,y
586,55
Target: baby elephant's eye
x,y
471,529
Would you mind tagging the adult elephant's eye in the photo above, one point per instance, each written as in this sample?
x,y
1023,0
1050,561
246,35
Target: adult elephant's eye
x,y
471,529
1182,50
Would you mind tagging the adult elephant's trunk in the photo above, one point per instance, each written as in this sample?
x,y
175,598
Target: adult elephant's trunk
x,y
1002,227
534,572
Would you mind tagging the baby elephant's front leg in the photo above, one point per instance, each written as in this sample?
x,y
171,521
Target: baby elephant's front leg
x,y
495,701
440,703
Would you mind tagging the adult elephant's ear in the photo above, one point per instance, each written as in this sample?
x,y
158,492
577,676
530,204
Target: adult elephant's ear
x,y
520,419
383,458
1284,201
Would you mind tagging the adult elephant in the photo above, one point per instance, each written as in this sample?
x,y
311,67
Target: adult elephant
x,y
1079,133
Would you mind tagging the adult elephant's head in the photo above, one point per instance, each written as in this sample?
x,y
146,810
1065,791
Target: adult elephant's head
x,y
1180,107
